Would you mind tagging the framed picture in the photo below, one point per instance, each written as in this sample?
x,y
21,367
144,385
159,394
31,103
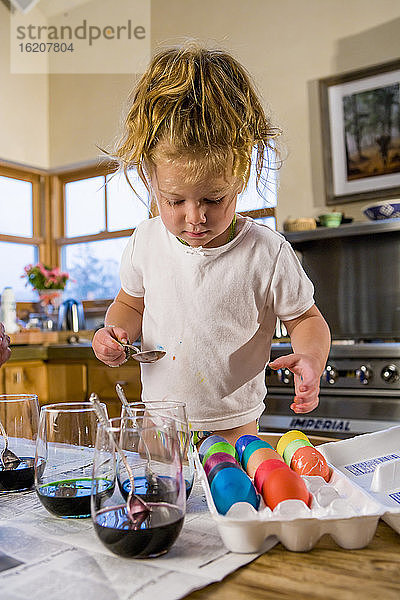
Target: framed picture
x,y
360,116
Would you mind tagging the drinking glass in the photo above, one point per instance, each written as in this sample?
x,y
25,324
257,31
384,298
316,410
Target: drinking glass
x,y
176,411
64,458
153,455
19,416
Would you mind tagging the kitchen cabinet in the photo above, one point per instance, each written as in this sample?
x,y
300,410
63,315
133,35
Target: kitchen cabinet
x,y
67,382
52,382
103,379
26,377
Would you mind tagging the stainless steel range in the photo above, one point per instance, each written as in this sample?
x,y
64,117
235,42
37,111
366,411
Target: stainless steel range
x,y
355,271
360,392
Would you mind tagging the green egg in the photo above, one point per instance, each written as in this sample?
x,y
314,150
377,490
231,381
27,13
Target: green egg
x,y
291,449
220,447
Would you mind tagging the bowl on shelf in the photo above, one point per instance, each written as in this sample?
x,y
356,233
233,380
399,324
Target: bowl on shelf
x,y
331,219
388,209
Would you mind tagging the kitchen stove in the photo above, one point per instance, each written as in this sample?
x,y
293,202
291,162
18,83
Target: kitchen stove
x,y
360,391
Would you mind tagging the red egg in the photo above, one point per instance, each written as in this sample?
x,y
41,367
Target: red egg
x,y
309,461
266,467
258,457
284,484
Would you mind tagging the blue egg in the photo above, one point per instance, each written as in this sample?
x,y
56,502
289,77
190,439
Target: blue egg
x,y
231,485
242,442
252,447
208,442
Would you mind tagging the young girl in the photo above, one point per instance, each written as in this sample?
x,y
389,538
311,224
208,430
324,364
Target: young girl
x,y
198,281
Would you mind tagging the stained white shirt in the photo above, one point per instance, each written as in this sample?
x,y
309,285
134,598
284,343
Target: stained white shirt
x,y
213,310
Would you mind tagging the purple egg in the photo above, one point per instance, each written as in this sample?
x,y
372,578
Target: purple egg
x,y
216,458
218,467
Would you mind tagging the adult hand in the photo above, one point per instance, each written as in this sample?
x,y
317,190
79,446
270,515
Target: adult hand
x,y
5,351
106,347
306,370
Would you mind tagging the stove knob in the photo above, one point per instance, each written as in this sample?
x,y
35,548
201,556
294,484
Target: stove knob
x,y
284,375
364,374
390,374
331,375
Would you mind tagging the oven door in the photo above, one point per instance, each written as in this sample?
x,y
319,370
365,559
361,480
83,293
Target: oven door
x,y
341,413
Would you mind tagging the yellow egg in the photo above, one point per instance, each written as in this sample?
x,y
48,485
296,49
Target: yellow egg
x,y
288,437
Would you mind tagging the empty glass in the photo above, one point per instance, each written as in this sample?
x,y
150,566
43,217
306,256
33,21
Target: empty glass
x,y
152,451
176,411
19,416
64,458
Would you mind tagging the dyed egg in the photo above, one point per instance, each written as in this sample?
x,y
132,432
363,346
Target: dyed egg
x,y
252,447
259,456
244,441
231,485
292,447
284,484
217,458
217,468
288,437
309,461
266,467
208,442
220,447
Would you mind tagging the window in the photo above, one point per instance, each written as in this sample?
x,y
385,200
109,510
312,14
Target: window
x,y
260,203
20,233
100,212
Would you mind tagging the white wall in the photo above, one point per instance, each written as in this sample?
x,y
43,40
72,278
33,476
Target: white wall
x,y
286,44
24,123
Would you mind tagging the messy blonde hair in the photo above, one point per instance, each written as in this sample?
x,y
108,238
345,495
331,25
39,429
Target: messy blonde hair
x,y
199,104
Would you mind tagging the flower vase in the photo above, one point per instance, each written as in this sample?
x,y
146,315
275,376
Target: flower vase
x,y
50,300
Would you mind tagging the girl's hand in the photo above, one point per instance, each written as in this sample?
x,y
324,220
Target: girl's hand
x,y
306,370
5,351
106,347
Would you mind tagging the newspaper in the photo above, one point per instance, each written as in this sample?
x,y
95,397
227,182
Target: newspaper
x,y
42,556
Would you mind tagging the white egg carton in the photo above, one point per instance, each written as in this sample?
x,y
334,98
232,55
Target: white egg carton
x,y
372,463
339,508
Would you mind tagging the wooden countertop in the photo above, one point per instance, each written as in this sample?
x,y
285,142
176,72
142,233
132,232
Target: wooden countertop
x,y
325,573
80,351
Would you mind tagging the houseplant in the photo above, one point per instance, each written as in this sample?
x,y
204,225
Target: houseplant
x,y
49,282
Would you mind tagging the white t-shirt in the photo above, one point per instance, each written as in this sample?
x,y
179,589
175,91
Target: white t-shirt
x,y
213,310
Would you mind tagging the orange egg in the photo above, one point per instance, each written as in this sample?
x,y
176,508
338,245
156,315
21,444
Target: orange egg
x,y
309,461
258,457
284,484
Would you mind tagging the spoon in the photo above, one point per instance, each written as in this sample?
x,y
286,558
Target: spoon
x,y
137,510
149,473
147,356
8,459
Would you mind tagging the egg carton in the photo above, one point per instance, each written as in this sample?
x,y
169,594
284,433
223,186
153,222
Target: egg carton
x,y
371,462
338,508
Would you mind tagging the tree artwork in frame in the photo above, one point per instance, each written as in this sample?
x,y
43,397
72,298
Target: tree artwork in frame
x,y
360,115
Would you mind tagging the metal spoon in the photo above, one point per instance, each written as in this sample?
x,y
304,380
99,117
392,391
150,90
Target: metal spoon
x,y
9,460
147,356
149,473
137,510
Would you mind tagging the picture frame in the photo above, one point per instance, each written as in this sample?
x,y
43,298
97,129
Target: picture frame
x,y
360,126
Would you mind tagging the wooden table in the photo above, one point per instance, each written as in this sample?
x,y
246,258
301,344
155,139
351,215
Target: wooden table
x,y
325,573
